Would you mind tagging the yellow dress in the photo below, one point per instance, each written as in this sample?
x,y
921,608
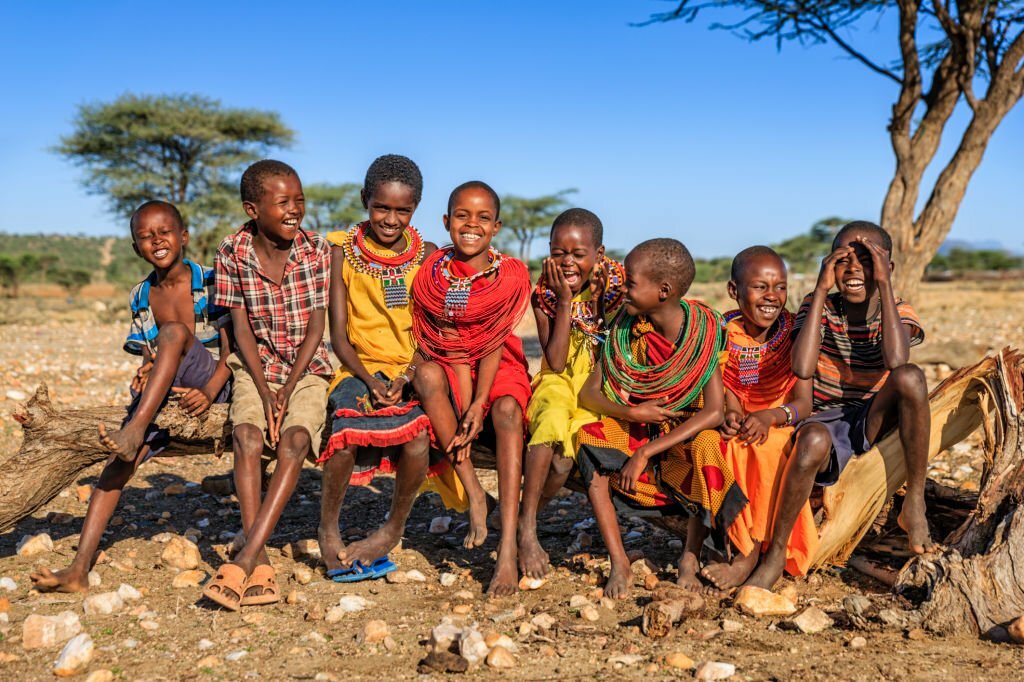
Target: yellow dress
x,y
383,341
554,413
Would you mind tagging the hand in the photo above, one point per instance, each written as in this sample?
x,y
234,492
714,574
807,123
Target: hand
x,y
378,390
754,430
880,269
556,280
469,428
141,377
393,396
731,426
827,275
598,284
193,400
281,399
650,412
634,469
270,413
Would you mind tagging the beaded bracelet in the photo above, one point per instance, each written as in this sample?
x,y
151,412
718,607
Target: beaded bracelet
x,y
791,414
405,374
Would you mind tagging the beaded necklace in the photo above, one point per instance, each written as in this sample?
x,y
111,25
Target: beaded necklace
x,y
749,365
681,378
389,269
456,298
584,314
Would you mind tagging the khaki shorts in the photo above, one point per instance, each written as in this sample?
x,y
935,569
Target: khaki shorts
x,y
307,406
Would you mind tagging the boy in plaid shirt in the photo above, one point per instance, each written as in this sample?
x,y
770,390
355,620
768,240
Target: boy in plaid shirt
x,y
273,276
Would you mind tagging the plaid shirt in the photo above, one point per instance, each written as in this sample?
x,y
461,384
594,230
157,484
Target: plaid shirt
x,y
278,313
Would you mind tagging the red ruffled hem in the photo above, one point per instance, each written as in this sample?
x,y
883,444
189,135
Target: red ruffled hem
x,y
390,411
387,467
375,438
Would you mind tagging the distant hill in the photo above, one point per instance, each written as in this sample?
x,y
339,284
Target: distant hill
x,y
977,245
109,259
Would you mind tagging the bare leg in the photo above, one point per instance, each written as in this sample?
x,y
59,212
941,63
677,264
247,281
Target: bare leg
x,y
599,492
810,455
903,399
412,470
75,578
507,417
334,484
431,384
689,561
173,341
533,560
247,442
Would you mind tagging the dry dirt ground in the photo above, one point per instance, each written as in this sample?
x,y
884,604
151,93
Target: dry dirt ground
x,y
75,349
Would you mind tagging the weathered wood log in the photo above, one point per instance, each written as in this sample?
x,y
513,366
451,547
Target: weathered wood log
x,y
659,617
959,405
976,585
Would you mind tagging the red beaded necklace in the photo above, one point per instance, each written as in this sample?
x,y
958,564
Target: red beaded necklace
x,y
389,269
765,369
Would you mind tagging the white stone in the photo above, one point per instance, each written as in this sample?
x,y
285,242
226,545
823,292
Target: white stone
x,y
102,604
128,593
472,646
95,580
448,579
14,394
812,620
578,601
130,643
626,659
33,545
714,670
543,620
75,655
439,525
39,632
236,655
8,584
415,576
205,644
352,603
442,636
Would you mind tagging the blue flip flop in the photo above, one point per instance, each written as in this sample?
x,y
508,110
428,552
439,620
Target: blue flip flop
x,y
359,571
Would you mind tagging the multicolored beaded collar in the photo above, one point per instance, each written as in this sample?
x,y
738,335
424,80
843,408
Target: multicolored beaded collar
x,y
764,363
390,268
456,298
584,314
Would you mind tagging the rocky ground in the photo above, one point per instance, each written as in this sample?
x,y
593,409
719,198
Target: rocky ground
x,y
157,627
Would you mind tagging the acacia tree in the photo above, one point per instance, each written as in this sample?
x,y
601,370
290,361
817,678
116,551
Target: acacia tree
x,y
526,218
333,206
186,149
950,52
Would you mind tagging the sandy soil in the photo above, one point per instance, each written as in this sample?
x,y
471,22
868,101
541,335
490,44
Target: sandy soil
x,y
77,352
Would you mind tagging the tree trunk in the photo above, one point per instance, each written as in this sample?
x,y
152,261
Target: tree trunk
x,y
977,584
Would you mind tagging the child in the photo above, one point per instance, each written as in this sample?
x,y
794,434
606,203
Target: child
x,y
274,277
577,289
763,400
856,345
468,300
660,389
170,313
372,269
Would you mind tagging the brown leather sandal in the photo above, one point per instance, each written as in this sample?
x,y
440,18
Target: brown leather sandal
x,y
261,577
227,587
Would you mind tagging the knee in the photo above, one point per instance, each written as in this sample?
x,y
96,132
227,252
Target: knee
x,y
172,332
247,441
561,465
909,381
294,444
505,412
428,379
420,444
813,444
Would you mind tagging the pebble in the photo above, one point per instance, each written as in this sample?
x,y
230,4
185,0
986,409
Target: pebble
x,y
95,580
208,662
589,613
254,618
578,601
128,593
125,566
1016,630
130,643
755,601
205,644
314,636
678,659
544,621
415,576
500,657
84,492
650,581
14,394
181,554
375,631
236,655
472,646
302,574
917,634
101,675
397,577
443,636
292,597
8,584
463,594
528,583
448,579
731,625
439,525
75,656
812,620
608,603
351,603
462,609
625,659
102,604
150,625
34,545
512,614
174,489
713,670
5,604
675,545
188,579
39,632
857,643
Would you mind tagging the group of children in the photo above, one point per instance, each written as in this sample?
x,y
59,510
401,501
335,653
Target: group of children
x,y
658,404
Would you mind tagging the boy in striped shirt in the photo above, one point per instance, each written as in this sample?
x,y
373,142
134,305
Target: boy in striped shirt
x,y
857,348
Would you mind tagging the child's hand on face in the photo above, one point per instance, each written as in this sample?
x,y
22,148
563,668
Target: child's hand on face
x,y
193,400
731,426
754,430
880,269
827,276
556,280
650,412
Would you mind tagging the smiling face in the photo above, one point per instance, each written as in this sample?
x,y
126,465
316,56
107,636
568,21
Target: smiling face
x,y
855,275
760,292
643,294
279,211
158,236
390,209
473,222
575,253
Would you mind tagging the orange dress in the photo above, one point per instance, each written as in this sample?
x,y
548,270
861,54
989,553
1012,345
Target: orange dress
x,y
758,468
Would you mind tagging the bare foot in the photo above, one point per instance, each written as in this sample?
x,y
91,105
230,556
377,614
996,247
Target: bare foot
x,y
688,568
66,580
331,546
479,509
912,519
124,443
617,586
506,579
768,571
727,575
380,542
533,560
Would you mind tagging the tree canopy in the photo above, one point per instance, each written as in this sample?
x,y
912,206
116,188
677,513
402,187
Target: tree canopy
x,y
333,207
525,219
186,149
948,54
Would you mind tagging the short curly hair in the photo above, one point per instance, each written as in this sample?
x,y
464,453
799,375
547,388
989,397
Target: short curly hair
x,y
581,217
476,184
251,186
666,260
393,168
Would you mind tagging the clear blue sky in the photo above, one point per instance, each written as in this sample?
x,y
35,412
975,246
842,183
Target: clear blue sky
x,y
669,130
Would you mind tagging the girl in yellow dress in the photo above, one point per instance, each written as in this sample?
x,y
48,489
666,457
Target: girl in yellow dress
x,y
577,290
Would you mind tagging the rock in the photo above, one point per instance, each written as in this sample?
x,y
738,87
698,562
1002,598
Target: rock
x,y
439,525
679,660
60,518
675,545
893,618
448,579
812,620
84,492
174,489
641,567
150,625
254,618
528,583
292,598
14,394
589,613
208,662
316,612
95,580
302,574
130,643
181,554
512,614
500,657
5,604
857,643
790,593
755,601
34,545
415,576
101,675
75,655
625,659
1016,630
442,662
731,625
472,646
493,639
205,645
397,577
102,604
917,634
306,549
544,621
236,655
443,636
128,593
314,636
713,670
187,579
463,594
650,581
8,584
375,632
608,603
578,601
352,603
39,632
462,609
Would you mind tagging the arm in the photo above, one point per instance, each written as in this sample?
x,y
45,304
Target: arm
x,y
250,356
895,335
594,399
198,401
808,339
554,338
733,415
755,426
